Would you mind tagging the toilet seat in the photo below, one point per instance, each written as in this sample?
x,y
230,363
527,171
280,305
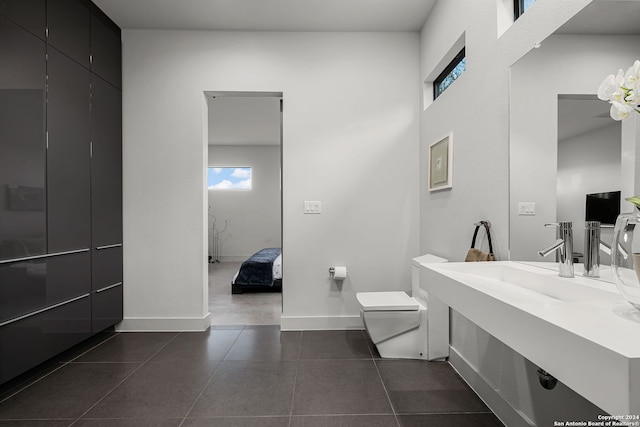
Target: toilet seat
x,y
389,314
386,301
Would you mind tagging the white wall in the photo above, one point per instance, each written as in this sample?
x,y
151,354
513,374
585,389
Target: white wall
x,y
476,110
350,135
587,163
253,217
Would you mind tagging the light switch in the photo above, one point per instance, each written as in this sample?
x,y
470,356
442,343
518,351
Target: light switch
x,y
312,207
526,208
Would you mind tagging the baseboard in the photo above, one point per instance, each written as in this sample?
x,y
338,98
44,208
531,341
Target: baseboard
x,y
320,323
492,398
165,324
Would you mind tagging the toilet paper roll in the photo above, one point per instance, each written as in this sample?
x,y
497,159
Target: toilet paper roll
x,y
339,273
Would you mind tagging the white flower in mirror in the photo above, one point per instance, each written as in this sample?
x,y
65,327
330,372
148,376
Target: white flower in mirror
x,y
632,81
622,91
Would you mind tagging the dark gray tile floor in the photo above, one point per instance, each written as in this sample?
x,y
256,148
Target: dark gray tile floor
x,y
243,377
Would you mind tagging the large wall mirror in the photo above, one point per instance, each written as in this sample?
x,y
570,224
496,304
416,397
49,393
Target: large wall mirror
x,y
563,143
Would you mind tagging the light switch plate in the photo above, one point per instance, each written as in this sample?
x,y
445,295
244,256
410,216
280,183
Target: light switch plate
x,y
526,208
312,207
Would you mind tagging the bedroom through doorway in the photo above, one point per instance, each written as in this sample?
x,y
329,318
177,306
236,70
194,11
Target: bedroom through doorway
x,y
244,190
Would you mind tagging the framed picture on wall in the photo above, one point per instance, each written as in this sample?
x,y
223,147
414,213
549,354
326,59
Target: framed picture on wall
x,y
441,164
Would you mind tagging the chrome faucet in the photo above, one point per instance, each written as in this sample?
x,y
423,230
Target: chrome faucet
x,y
592,247
563,246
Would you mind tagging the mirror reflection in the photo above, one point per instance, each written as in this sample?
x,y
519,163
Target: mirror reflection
x,y
588,168
563,143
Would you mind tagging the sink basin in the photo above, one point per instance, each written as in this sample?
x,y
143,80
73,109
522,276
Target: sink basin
x,y
539,281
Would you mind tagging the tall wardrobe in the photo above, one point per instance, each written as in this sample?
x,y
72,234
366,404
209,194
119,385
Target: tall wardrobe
x,y
60,178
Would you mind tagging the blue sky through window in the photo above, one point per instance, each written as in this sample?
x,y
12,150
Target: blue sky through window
x,y
237,178
452,76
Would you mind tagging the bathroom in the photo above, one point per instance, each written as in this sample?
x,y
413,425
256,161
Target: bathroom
x,y
363,211
355,104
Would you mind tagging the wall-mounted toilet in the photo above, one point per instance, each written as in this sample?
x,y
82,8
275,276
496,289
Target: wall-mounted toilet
x,y
407,327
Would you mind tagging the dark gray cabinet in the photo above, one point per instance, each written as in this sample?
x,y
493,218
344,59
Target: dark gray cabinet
x,y
106,163
106,275
106,266
68,154
106,56
60,179
106,307
106,174
69,24
30,341
22,142
29,286
106,202
29,14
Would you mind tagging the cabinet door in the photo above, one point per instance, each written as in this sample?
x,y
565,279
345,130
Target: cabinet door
x,y
22,142
69,23
106,163
106,267
106,308
31,341
106,56
29,286
68,155
106,281
29,14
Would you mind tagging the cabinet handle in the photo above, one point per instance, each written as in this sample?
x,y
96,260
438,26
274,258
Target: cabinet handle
x,y
30,258
108,287
42,310
117,245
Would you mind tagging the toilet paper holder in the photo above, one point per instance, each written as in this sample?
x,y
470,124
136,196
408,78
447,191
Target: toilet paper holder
x,y
338,273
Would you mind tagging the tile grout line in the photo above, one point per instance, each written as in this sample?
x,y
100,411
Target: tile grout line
x,y
125,378
210,379
295,378
386,392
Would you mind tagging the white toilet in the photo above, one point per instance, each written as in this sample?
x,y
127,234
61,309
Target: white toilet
x,y
407,327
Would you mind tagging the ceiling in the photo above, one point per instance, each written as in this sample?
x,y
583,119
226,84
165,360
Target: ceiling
x,y
269,15
580,114
618,17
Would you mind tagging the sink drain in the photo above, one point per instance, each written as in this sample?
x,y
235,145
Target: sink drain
x,y
547,380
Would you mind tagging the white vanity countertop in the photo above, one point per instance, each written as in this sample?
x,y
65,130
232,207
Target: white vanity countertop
x,y
579,329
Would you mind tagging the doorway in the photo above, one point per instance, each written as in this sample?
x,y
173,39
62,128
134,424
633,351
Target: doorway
x,y
244,192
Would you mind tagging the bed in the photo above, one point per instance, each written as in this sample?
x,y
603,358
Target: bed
x,y
261,272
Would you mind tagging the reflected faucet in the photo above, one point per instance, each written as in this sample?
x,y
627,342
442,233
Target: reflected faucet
x,y
563,246
592,247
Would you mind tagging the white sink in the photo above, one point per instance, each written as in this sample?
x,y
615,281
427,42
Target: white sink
x,y
542,282
566,326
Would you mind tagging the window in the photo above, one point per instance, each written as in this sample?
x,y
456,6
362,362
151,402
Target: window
x,y
229,178
521,6
450,74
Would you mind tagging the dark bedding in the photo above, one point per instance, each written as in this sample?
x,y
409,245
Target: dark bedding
x,y
258,269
